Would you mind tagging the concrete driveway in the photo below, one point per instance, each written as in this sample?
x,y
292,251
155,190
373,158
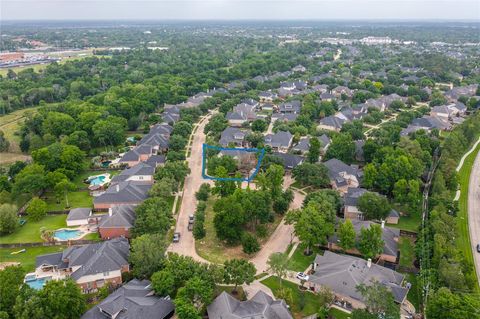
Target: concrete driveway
x,y
474,212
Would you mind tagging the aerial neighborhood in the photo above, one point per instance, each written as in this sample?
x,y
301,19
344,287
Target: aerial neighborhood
x,y
239,172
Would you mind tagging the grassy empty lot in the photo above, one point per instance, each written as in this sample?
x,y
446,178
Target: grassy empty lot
x,y
30,232
75,199
27,259
338,314
463,240
299,261
9,124
407,254
409,223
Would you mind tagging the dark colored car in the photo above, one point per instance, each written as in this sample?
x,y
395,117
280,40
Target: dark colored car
x,y
478,248
176,237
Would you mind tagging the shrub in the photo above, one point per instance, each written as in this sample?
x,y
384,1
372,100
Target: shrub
x,y
37,209
203,192
199,229
250,243
261,231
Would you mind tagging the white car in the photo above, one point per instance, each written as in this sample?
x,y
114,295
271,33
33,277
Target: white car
x,y
302,276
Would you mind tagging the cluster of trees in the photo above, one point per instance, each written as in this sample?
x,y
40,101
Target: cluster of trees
x,y
202,195
309,174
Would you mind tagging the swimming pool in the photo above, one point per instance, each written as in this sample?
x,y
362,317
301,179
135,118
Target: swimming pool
x,y
67,234
99,180
36,283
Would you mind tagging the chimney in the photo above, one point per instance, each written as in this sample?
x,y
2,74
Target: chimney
x,y
383,224
110,210
117,188
369,262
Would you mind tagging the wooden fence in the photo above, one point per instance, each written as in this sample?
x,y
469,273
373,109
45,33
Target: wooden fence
x,y
46,244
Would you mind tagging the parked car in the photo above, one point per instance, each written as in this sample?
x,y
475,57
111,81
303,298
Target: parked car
x,y
191,219
176,237
478,248
302,276
190,226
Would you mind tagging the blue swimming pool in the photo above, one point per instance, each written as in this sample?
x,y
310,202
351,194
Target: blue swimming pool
x,y
99,180
67,234
37,283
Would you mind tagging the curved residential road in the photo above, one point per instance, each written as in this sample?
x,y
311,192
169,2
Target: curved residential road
x,y
281,237
186,245
474,212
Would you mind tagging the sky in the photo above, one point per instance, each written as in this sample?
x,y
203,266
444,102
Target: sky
x,y
239,10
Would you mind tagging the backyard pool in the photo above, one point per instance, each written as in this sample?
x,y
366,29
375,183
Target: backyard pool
x,y
36,283
98,180
67,234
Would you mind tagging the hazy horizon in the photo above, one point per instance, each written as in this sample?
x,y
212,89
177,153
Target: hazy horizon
x,y
236,10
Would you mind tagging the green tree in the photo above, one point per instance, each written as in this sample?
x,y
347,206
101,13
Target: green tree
x,y
229,219
196,291
163,282
174,169
182,128
57,124
311,175
314,150
374,206
259,125
341,148
37,209
108,133
370,242
62,299
8,218
277,264
147,255
203,192
154,216
163,188
379,300
11,279
272,180
223,187
63,188
30,180
347,235
238,272
4,143
445,304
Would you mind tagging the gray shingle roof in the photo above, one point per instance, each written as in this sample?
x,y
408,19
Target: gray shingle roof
x,y
290,161
279,139
124,192
260,306
134,300
352,195
343,274
336,168
231,134
332,121
79,213
120,216
141,169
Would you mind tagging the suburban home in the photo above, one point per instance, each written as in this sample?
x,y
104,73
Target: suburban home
x,y
327,96
290,161
339,90
343,176
142,172
284,117
79,216
251,102
136,299
267,107
390,238
90,266
447,112
378,104
331,123
431,122
171,115
260,305
158,137
267,96
156,160
359,155
279,141
343,273
348,114
122,193
350,200
118,222
241,113
303,144
138,154
299,68
455,93
290,107
233,135
320,88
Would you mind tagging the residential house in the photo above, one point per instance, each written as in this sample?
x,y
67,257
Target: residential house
x,y
279,141
320,88
343,176
350,199
142,172
303,144
171,115
79,216
449,111
267,96
390,238
299,68
267,107
290,107
339,90
343,273
431,122
90,266
455,93
284,117
290,161
241,114
260,305
331,123
251,102
233,135
122,193
393,217
136,299
136,155
327,96
118,222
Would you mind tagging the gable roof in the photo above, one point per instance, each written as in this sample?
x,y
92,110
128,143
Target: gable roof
x,y
332,121
336,168
279,139
343,273
260,305
141,169
231,134
289,160
124,192
79,213
134,300
119,216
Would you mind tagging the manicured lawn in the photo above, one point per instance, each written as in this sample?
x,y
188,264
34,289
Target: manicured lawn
x,y
311,301
75,199
92,236
409,223
415,291
27,259
299,261
463,240
338,314
407,253
240,294
30,232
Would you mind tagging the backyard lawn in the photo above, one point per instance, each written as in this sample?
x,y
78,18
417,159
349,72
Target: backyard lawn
x,y
463,240
338,314
30,232
415,291
407,253
78,180
299,261
410,223
75,199
27,259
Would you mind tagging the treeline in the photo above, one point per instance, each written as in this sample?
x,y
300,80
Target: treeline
x,y
451,276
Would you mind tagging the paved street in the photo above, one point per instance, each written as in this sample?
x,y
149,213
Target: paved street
x,y
474,212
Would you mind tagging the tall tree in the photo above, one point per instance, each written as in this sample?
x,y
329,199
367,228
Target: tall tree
x,y
379,300
347,235
62,299
370,242
11,279
8,218
147,255
63,188
374,206
277,264
342,148
37,209
238,272
314,150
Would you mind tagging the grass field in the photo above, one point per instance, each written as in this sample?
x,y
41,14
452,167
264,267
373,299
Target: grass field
x,y
299,261
30,232
10,124
409,223
338,314
463,240
415,291
75,199
407,253
27,259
